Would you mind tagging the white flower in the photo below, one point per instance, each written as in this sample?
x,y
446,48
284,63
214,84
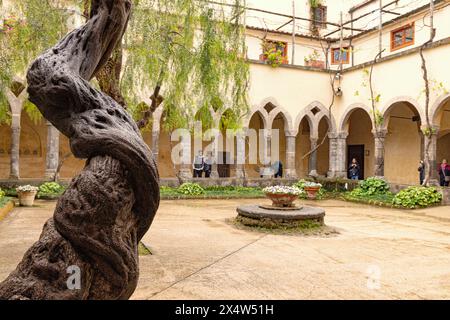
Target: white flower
x,y
310,184
283,190
27,188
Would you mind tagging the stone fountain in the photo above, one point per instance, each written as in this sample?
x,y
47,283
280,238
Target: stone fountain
x,y
283,213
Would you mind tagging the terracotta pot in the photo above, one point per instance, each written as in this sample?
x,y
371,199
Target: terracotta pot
x,y
26,198
282,200
315,64
311,192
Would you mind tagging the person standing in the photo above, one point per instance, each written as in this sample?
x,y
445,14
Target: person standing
x,y
444,173
421,170
198,166
207,166
354,170
277,168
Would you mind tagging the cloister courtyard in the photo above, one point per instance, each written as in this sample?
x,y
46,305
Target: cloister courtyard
x,y
224,150
377,253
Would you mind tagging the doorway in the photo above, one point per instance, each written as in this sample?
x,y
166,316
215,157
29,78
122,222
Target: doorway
x,y
224,167
356,152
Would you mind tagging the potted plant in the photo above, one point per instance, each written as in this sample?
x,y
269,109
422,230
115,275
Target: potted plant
x,y
313,60
26,195
282,196
312,189
273,53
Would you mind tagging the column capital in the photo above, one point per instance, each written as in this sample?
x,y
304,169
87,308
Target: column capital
x,y
314,140
290,134
338,135
379,133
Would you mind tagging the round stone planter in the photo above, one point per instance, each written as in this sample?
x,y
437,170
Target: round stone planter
x,y
312,192
26,198
282,200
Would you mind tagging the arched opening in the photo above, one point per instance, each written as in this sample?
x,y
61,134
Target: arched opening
x,y
302,147
323,152
33,141
252,157
5,150
443,143
360,142
278,141
403,144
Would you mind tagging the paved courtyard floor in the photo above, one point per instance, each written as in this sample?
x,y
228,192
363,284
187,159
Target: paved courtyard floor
x,y
379,253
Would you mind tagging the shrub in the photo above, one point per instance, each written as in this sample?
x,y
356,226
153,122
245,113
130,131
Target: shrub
x,y
370,187
417,197
51,188
2,193
191,189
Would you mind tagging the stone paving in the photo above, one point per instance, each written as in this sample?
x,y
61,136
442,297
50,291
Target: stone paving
x,y
379,254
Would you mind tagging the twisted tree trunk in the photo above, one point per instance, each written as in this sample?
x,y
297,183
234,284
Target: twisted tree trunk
x,y
107,209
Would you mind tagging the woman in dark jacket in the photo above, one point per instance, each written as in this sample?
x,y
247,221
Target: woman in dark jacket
x,y
444,173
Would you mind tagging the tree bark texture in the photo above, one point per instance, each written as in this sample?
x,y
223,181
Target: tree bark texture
x,y
100,219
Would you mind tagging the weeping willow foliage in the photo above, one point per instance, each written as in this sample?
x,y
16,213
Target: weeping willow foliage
x,y
195,51
35,26
192,49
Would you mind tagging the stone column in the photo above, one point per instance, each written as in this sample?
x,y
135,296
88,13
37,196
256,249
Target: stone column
x,y
15,104
52,157
240,154
14,173
338,155
155,145
290,171
313,157
431,140
185,153
215,156
265,153
380,138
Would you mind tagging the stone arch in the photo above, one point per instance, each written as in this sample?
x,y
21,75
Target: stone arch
x,y
260,108
286,117
343,124
314,113
412,103
437,109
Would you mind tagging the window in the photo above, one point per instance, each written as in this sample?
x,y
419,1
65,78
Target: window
x,y
402,37
337,55
319,17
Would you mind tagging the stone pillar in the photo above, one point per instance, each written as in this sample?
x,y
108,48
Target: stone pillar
x,y
186,163
215,156
432,153
313,157
338,155
14,173
15,104
240,154
290,171
155,145
265,153
380,138
52,157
